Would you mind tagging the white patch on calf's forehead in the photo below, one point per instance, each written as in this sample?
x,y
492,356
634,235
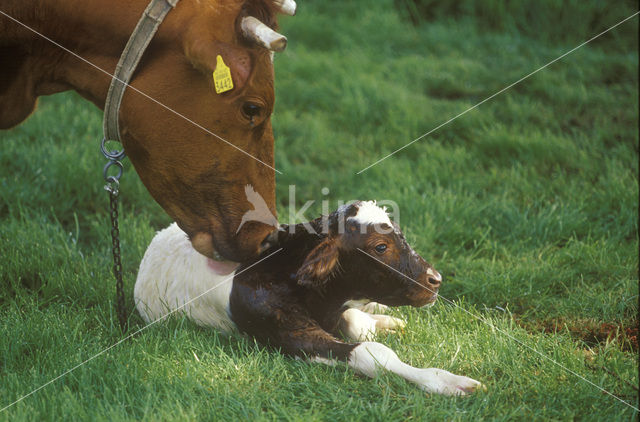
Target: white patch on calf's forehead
x,y
370,213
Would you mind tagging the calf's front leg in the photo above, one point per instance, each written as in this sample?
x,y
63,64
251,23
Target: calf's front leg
x,y
369,358
292,330
367,306
357,325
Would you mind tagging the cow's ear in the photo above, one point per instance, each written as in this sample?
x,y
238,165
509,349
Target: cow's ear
x,y
320,265
203,55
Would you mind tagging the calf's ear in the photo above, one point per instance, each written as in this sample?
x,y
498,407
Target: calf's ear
x,y
320,265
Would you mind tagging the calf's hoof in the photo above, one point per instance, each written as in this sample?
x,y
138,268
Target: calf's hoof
x,y
443,382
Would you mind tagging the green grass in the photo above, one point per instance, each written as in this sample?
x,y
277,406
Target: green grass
x,y
527,204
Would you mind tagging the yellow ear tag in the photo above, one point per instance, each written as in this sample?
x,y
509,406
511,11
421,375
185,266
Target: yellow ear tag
x,y
222,77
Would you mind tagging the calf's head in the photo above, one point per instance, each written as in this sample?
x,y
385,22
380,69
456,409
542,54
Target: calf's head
x,y
368,256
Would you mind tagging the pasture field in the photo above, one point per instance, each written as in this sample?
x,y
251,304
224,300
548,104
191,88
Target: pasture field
x,y
528,205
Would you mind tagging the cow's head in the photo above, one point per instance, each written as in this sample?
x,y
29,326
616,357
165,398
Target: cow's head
x,y
197,158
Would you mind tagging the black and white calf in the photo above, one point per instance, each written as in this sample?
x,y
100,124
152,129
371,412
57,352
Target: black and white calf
x,y
298,299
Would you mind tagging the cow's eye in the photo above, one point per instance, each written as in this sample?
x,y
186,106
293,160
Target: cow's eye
x,y
381,248
251,110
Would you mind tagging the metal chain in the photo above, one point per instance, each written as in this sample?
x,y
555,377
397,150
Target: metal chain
x,y
117,263
113,187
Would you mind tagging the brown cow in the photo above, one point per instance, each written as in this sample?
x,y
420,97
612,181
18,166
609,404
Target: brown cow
x,y
198,179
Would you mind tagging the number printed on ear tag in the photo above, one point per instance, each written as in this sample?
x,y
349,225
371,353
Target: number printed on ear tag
x,y
222,77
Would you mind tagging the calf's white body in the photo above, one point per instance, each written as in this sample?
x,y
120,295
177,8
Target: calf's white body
x,y
172,275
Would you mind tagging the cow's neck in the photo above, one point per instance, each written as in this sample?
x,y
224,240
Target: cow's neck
x,y
95,30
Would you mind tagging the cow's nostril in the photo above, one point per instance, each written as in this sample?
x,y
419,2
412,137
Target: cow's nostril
x,y
269,241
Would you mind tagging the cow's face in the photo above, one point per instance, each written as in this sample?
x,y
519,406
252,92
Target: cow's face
x,y
197,158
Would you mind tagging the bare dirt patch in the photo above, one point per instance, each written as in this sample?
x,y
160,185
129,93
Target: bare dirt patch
x,y
592,332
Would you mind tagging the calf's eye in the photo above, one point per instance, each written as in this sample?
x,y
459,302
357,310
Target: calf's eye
x,y
381,248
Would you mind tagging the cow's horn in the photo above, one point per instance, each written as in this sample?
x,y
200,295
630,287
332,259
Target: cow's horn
x,y
287,7
255,30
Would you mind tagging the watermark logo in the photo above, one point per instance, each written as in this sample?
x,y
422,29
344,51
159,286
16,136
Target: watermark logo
x,y
260,211
297,215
